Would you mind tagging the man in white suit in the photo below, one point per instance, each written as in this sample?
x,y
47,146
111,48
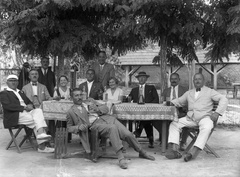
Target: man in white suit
x,y
200,104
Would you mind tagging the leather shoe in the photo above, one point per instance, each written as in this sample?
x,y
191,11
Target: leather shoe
x,y
188,157
144,155
151,142
123,163
150,145
171,154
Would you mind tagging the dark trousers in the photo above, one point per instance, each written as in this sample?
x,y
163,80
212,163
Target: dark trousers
x,y
147,125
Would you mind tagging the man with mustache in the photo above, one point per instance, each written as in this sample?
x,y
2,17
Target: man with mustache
x,y
200,104
35,91
175,91
91,115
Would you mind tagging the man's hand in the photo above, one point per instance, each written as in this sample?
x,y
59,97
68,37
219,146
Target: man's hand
x,y
214,116
93,107
28,107
83,127
57,98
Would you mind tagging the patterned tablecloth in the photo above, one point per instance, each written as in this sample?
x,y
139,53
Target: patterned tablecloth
x,y
56,110
134,111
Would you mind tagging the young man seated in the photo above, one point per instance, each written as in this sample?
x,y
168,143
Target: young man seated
x,y
18,109
81,117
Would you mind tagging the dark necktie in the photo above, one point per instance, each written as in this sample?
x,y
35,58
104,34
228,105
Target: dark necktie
x,y
174,94
34,84
198,89
45,72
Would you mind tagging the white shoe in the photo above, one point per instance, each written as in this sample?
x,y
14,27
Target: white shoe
x,y
46,150
43,136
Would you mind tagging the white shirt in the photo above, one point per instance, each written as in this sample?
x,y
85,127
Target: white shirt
x,y
116,95
176,91
44,70
143,89
101,67
89,84
18,96
196,94
34,88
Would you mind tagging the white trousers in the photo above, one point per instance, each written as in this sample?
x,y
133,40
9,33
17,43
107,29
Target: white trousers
x,y
205,127
33,119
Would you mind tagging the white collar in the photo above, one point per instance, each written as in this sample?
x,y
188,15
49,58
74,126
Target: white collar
x,y
9,89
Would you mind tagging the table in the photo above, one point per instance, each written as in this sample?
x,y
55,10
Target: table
x,y
236,86
56,111
134,111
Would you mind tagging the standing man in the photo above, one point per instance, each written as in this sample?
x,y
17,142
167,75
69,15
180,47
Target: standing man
x,y
150,95
200,104
173,92
18,109
46,76
36,92
93,88
103,70
81,117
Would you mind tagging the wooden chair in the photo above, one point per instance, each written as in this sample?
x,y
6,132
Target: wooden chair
x,y
193,133
15,134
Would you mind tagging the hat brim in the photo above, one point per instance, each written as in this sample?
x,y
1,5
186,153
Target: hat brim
x,y
142,75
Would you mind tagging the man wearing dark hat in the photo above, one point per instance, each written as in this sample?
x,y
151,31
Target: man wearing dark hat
x,y
150,95
18,109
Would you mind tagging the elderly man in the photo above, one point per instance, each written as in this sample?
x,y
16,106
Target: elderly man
x,y
200,103
18,109
46,76
35,91
150,95
81,118
93,88
103,70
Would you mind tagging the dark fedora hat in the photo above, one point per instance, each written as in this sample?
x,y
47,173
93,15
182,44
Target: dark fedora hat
x,y
142,73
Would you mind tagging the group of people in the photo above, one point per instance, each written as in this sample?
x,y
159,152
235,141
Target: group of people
x,y
194,107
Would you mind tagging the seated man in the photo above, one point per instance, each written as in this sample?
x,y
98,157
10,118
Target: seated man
x,y
18,109
81,118
35,91
200,104
93,88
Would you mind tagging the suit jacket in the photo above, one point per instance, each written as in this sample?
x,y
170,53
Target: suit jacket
x,y
76,118
95,89
181,90
150,94
49,80
42,93
201,106
11,107
107,72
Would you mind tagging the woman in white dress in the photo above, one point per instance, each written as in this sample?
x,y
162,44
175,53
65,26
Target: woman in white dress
x,y
62,91
114,92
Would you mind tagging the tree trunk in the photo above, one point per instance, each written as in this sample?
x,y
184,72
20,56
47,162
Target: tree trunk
x,y
60,67
163,62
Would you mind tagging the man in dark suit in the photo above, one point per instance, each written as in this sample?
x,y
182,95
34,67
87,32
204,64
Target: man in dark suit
x,y
18,109
46,76
150,95
171,93
93,88
103,70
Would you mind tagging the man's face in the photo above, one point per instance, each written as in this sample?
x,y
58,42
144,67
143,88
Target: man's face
x,y
90,76
198,81
102,58
77,97
12,83
174,79
33,76
142,79
45,63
